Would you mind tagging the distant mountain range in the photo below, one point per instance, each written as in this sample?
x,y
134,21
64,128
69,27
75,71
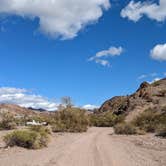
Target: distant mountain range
x,y
39,109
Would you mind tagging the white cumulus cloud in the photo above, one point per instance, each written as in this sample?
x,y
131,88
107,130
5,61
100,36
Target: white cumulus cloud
x,y
159,52
57,18
23,98
111,52
89,107
154,80
136,10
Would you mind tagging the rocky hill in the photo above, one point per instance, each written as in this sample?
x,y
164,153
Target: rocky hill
x,y
16,110
147,96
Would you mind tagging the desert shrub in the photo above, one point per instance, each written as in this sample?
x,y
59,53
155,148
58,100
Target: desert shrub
x,y
40,129
149,120
20,121
125,128
8,122
27,138
59,127
70,120
37,118
105,120
156,83
45,133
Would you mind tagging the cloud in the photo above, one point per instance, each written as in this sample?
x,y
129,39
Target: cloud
x,y
159,52
151,77
154,80
57,18
23,98
102,62
136,10
111,52
89,107
143,76
153,74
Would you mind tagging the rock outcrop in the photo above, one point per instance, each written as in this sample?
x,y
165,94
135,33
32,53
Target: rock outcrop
x,y
147,96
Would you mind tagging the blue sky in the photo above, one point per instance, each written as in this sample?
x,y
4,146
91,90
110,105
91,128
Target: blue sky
x,y
53,66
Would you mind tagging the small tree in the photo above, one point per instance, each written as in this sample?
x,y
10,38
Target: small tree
x,y
67,101
61,107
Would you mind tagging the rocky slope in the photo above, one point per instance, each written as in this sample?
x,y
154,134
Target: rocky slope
x,y
21,111
147,96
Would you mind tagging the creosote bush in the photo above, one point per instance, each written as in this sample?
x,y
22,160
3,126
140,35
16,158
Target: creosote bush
x,y
8,122
70,120
125,128
35,138
105,120
41,129
150,120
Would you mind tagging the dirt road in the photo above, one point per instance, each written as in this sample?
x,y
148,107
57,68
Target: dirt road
x,y
97,147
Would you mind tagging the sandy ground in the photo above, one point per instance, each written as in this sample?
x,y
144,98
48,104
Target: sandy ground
x,y
97,147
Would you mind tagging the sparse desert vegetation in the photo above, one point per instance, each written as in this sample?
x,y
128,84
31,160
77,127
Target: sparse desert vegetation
x,y
107,119
70,120
75,132
34,138
150,120
8,122
125,128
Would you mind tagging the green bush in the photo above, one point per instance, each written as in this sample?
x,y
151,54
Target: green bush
x,y
45,133
40,129
30,139
149,120
7,122
70,120
58,126
125,128
105,120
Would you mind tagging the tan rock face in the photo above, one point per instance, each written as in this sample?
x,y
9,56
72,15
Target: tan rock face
x,y
16,110
147,96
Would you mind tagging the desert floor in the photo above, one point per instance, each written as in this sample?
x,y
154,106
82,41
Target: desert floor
x,y
97,147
